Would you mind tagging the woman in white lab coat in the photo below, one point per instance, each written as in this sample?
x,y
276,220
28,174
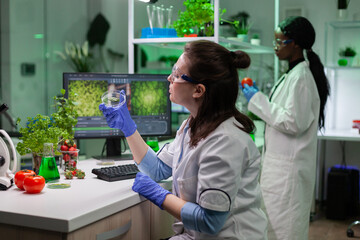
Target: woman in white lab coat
x,y
213,161
293,113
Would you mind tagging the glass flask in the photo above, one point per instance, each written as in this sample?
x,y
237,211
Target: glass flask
x,y
48,167
153,143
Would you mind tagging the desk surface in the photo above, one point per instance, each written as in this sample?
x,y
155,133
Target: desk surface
x,y
65,210
340,135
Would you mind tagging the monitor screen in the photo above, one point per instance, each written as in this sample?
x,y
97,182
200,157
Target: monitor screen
x,y
147,98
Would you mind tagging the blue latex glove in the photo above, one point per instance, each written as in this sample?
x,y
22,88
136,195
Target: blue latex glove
x,y
248,91
148,188
119,118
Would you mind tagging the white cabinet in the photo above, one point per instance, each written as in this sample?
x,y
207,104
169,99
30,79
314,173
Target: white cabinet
x,y
339,35
178,43
342,108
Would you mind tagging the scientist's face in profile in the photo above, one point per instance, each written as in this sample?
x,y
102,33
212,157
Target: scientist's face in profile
x,y
180,90
283,46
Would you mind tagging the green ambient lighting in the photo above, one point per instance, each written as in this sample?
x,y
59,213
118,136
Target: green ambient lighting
x,y
38,36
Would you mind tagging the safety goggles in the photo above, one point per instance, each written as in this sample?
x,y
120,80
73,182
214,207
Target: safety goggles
x,y
178,77
279,42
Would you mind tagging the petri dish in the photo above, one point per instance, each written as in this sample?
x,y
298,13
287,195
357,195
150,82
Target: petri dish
x,y
114,98
57,184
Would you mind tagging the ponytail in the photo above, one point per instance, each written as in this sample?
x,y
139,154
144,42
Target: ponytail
x,y
322,83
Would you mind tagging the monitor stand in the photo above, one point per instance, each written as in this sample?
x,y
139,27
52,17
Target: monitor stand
x,y
113,151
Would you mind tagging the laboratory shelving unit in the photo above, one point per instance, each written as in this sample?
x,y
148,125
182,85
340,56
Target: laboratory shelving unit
x,y
344,80
178,43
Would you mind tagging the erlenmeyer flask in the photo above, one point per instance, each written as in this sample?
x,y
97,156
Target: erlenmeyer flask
x,y
48,168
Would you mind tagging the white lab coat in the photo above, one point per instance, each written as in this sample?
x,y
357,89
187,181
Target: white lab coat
x,y
289,159
220,173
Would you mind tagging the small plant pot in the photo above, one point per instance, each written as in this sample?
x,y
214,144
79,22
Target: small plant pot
x,y
36,162
243,37
255,41
346,61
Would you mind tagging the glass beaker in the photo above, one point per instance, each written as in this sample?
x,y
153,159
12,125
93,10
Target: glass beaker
x,y
48,168
153,143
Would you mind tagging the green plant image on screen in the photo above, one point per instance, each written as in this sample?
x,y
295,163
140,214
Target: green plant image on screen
x,y
88,96
148,98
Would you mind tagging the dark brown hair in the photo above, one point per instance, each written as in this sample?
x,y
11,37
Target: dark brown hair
x,y
215,67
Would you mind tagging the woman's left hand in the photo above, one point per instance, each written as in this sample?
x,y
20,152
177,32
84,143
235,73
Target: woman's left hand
x,y
249,91
148,188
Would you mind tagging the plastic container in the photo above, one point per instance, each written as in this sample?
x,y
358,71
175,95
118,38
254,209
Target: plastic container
x,y
356,124
114,98
158,33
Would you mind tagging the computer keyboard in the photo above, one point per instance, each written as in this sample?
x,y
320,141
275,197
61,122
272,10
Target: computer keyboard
x,y
116,173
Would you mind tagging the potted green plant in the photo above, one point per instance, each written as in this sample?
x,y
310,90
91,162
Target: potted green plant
x,y
198,17
240,24
78,57
45,129
168,60
347,55
255,39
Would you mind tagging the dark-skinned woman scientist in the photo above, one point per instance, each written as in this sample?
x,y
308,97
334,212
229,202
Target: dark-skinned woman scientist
x,y
293,113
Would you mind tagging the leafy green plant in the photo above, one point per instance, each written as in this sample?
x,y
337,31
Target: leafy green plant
x,y
255,36
78,57
199,15
44,129
171,60
240,23
347,52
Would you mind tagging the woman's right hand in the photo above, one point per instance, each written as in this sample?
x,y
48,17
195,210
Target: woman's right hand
x,y
119,117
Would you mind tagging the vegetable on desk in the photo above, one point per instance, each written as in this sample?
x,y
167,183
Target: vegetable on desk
x,y
20,176
34,183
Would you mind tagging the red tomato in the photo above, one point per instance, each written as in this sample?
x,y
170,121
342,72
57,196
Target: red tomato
x,y
64,148
34,183
247,81
20,176
74,145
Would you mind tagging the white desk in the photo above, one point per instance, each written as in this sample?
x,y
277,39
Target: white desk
x,y
330,135
67,210
340,135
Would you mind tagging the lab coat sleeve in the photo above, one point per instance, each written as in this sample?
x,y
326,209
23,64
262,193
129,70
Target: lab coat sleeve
x,y
154,167
292,114
199,219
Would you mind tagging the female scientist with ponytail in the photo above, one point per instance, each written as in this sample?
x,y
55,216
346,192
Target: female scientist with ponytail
x,y
213,161
293,113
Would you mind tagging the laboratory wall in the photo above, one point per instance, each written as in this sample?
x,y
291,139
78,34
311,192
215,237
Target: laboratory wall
x,y
32,30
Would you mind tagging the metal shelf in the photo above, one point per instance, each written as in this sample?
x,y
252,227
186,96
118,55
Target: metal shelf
x,y
347,68
179,42
345,24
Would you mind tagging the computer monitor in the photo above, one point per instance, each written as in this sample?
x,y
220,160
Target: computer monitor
x,y
147,97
